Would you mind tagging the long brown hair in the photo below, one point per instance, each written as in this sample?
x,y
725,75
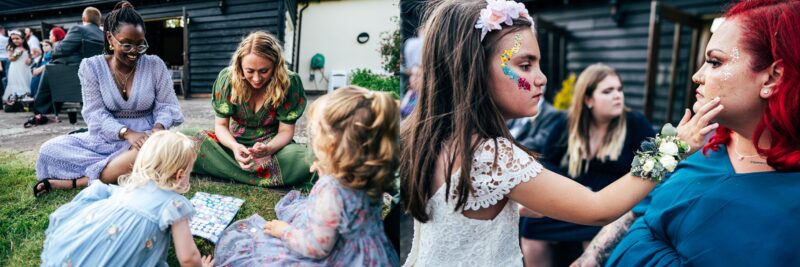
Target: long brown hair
x,y
580,120
267,46
455,103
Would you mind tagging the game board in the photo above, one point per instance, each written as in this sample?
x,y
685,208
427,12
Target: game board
x,y
213,214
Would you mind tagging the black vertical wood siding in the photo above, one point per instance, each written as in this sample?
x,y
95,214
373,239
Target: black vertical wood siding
x,y
595,37
214,31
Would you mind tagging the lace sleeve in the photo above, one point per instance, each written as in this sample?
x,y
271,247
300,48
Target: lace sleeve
x,y
493,181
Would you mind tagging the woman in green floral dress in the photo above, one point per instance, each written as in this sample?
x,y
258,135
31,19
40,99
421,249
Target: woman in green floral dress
x,y
257,102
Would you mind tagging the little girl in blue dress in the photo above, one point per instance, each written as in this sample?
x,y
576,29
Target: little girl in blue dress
x,y
130,224
354,135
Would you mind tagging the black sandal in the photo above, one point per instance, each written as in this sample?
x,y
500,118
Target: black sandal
x,y
48,187
33,121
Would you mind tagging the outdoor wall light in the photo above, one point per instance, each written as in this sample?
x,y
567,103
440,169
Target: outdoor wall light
x,y
362,38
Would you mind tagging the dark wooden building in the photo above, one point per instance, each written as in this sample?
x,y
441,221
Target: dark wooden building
x,y
637,37
196,38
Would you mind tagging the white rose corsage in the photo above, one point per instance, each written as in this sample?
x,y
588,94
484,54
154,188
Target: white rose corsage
x,y
660,155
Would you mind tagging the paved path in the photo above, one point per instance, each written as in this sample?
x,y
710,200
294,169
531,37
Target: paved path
x,y
13,137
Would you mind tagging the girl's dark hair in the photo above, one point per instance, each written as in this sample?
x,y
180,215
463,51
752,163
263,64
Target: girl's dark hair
x,y
123,14
11,46
455,103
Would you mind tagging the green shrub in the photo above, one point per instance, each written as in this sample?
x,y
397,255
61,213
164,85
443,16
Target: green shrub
x,y
376,82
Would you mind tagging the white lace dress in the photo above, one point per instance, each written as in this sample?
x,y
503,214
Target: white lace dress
x,y
451,239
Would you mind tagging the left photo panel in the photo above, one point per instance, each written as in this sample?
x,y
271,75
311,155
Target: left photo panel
x,y
201,133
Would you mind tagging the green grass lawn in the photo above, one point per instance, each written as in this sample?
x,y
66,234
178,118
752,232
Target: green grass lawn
x,y
23,218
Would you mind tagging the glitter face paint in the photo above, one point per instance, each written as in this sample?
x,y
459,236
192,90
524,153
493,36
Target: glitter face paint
x,y
522,83
726,71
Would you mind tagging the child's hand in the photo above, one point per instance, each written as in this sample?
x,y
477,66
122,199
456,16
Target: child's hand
x,y
275,228
208,261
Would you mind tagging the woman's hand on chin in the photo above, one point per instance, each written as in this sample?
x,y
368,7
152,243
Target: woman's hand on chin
x,y
693,129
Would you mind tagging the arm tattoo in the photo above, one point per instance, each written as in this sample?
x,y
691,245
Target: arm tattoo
x,y
608,238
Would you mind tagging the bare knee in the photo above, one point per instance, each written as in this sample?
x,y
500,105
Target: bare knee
x,y
120,165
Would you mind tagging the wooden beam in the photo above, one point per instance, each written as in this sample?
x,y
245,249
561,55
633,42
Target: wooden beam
x,y
673,70
693,64
186,82
653,42
681,17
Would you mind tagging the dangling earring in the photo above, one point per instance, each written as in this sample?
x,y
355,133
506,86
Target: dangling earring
x,y
110,48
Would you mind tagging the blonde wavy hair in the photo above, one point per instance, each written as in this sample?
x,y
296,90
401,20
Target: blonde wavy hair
x,y
267,46
354,134
580,119
159,159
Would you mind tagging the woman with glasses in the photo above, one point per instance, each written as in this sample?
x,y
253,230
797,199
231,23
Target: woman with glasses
x,y
127,95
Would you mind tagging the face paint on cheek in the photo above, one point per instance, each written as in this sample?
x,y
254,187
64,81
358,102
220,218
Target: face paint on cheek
x,y
522,83
727,73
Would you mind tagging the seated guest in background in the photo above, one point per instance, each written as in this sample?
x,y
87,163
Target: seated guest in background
x,y
67,51
56,35
594,145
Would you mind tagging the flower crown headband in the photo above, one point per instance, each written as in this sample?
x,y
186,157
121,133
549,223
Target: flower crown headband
x,y
14,32
498,12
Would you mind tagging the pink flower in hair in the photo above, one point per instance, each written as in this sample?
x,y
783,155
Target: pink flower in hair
x,y
498,12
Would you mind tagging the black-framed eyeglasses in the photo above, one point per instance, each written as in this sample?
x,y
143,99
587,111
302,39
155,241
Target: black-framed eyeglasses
x,y
127,48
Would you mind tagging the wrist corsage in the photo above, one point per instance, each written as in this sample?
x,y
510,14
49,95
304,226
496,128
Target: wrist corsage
x,y
658,156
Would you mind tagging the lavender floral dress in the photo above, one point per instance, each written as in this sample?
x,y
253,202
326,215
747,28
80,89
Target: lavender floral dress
x,y
152,101
333,226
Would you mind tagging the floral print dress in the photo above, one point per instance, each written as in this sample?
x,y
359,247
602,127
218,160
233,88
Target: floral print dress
x,y
333,226
289,166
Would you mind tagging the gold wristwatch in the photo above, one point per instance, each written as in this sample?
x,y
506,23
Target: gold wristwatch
x,y
122,132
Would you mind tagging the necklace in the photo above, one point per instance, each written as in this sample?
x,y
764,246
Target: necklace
x,y
740,156
124,82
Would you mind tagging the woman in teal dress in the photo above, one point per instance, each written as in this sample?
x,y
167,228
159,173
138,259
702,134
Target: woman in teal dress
x,y
257,102
735,204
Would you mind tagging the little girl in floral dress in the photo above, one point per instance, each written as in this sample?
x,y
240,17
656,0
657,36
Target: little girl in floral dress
x,y
131,224
354,135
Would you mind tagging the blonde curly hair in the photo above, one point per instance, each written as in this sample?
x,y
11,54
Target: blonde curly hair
x,y
267,46
354,134
159,159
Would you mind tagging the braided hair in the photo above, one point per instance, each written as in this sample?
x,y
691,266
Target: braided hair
x,y
123,14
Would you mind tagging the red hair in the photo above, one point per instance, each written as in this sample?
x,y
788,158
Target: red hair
x,y
59,33
771,37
